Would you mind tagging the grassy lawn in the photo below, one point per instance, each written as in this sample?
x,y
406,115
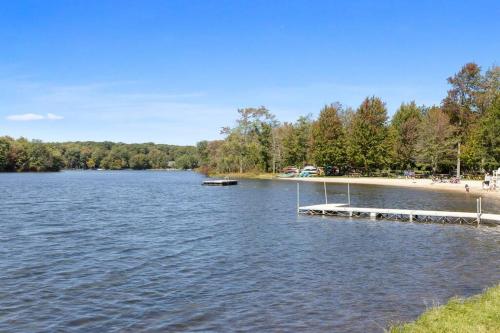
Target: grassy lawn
x,y
478,314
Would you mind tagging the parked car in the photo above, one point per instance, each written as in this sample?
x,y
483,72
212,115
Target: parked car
x,y
290,169
309,171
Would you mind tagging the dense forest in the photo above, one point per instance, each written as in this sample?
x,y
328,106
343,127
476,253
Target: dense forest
x,y
462,134
24,155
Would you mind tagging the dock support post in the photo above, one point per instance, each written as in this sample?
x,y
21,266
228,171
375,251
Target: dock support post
x,y
298,198
326,197
478,208
411,217
349,194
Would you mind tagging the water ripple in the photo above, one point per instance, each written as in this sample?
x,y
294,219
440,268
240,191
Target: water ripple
x,y
155,252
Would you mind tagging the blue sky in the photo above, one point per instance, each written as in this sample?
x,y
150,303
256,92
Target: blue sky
x,y
177,71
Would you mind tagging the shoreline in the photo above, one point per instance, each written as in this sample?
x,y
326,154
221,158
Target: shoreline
x,y
478,313
425,184
475,186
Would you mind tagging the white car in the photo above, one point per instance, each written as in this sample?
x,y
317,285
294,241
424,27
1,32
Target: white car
x,y
312,170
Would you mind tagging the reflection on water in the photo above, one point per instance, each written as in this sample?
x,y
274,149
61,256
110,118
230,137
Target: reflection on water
x,y
155,251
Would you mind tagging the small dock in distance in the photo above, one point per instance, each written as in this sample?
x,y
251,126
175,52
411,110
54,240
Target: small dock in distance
x,y
409,215
220,182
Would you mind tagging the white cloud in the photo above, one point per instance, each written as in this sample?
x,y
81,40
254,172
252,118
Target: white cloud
x,y
25,117
51,116
33,116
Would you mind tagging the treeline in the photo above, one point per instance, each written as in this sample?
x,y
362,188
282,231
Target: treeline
x,y
24,155
461,134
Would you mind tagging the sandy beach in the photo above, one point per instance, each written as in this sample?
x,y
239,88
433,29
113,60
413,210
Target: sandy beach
x,y
474,185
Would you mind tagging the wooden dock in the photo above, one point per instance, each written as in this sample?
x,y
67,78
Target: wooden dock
x,y
409,215
220,182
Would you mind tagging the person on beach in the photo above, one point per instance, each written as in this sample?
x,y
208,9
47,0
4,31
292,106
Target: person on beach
x,y
467,188
487,180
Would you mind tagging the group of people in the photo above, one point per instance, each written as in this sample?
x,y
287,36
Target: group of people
x,y
489,183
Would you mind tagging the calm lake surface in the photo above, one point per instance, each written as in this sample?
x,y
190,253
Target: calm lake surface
x,y
155,251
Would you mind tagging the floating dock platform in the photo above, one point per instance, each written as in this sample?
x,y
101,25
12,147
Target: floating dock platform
x,y
220,182
409,215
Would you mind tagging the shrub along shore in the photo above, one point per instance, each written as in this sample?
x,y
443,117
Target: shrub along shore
x,y
479,314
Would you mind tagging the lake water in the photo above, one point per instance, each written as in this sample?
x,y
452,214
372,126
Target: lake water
x,y
155,251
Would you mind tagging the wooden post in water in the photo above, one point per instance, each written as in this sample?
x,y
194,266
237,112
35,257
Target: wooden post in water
x,y
298,197
478,209
349,194
326,197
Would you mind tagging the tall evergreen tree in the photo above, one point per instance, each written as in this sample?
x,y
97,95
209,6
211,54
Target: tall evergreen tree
x,y
367,143
295,141
490,134
328,137
462,102
405,130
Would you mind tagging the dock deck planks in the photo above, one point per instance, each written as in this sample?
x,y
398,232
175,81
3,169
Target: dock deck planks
x,y
399,214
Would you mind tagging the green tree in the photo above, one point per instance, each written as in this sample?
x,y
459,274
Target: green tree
x,y
98,154
462,102
85,156
187,161
157,159
436,143
72,157
328,137
367,143
252,140
203,152
490,88
42,158
5,144
405,126
91,164
296,141
303,139
490,133
139,162
117,158
19,158
287,144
